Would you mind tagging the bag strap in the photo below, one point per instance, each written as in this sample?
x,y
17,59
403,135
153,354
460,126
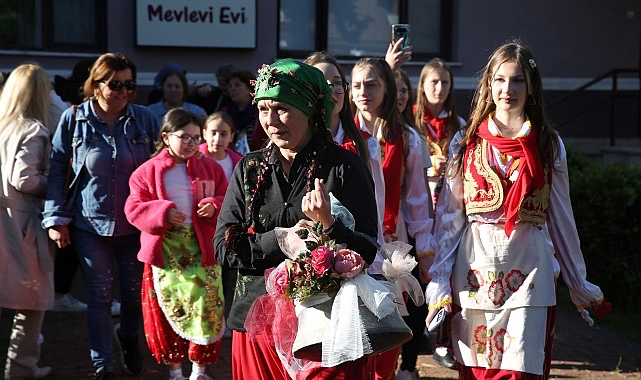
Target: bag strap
x,y
69,166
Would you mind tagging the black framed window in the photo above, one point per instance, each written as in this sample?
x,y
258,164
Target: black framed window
x,y
361,28
53,25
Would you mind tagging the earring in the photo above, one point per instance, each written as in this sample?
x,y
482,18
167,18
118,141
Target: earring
x,y
531,101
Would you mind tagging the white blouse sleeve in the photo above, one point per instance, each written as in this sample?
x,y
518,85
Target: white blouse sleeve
x,y
562,229
451,221
376,169
415,200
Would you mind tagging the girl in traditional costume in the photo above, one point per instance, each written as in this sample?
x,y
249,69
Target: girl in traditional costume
x,y
506,182
175,199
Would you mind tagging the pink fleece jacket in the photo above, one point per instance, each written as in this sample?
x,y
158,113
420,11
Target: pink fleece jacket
x,y
147,205
235,156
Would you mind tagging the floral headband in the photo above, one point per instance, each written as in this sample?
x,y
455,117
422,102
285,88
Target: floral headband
x,y
298,84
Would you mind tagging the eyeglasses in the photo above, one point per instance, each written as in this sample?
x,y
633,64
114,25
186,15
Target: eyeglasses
x,y
338,87
186,139
116,85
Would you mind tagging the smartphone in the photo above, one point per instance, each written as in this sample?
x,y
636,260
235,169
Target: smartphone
x,y
401,31
438,319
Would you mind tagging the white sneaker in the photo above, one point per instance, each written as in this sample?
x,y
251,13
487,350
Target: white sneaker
x,y
200,377
69,304
179,377
407,375
115,308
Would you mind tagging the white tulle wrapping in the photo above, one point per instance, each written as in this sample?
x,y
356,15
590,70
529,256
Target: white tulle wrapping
x,y
397,268
345,338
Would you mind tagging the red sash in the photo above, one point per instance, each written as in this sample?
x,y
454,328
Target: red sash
x,y
393,160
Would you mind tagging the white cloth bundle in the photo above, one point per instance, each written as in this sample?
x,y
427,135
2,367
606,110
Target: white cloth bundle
x,y
397,268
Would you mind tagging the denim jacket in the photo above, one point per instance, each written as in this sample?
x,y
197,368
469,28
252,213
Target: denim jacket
x,y
95,203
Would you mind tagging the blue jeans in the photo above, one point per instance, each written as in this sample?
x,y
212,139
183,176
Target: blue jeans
x,y
97,257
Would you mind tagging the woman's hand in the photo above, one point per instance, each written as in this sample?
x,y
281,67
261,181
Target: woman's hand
x,y
206,210
395,56
60,235
424,265
317,206
176,217
438,162
432,312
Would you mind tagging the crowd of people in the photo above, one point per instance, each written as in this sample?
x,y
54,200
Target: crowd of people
x,y
185,201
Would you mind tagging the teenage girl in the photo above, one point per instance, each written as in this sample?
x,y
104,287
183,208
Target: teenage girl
x,y
406,211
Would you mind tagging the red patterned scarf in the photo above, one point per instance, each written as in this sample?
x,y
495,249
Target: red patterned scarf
x,y
393,160
435,128
530,170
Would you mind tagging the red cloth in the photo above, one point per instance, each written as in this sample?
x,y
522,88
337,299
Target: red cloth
x,y
255,358
385,364
393,160
165,345
147,204
348,143
435,128
530,169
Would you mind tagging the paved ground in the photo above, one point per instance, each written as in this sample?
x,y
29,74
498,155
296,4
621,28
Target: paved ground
x,y
580,352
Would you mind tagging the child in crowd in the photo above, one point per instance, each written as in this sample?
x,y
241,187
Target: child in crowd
x,y
175,199
219,136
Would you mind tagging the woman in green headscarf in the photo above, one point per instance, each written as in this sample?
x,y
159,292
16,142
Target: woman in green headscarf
x,y
286,184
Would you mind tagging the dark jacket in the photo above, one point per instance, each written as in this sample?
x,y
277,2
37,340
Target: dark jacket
x,y
345,176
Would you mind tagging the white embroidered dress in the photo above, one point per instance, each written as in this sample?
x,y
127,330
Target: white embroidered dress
x,y
505,284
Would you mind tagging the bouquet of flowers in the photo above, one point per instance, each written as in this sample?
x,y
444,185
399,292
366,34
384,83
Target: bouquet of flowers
x,y
319,268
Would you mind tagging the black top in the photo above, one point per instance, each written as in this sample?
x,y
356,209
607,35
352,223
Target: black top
x,y
345,176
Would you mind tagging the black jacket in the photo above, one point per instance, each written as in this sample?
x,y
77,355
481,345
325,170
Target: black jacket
x,y
345,176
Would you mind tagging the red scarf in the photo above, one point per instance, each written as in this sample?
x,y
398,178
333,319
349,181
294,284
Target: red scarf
x,y
393,160
530,170
348,143
435,127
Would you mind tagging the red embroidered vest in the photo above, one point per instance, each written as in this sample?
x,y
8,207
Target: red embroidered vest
x,y
484,190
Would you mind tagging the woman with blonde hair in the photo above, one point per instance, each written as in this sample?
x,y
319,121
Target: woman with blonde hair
x,y
26,262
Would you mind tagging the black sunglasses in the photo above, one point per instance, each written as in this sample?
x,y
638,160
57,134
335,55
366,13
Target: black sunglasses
x,y
116,85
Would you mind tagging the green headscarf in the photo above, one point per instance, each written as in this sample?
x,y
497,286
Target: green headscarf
x,y
301,85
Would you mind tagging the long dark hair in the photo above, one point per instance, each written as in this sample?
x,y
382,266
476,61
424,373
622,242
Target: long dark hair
x,y
346,116
173,121
389,117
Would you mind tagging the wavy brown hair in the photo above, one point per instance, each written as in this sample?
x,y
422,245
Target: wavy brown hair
x,y
483,105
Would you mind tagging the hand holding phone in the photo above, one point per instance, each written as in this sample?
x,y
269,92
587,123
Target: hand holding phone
x,y
401,31
438,319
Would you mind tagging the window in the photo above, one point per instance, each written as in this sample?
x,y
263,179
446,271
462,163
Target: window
x,y
53,25
360,28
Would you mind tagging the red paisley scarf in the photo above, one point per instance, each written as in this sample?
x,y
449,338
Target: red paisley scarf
x,y
530,170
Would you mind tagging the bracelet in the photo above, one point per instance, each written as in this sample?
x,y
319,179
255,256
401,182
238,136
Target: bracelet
x,y
425,254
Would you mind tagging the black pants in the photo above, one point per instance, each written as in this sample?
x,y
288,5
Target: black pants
x,y
416,322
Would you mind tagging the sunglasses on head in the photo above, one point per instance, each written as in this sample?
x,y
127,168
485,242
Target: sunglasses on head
x,y
116,85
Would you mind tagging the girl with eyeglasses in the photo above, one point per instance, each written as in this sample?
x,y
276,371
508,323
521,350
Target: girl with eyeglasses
x,y
95,148
175,199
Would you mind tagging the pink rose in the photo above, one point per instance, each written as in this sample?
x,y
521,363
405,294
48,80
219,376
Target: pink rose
x,y
281,279
348,263
322,259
